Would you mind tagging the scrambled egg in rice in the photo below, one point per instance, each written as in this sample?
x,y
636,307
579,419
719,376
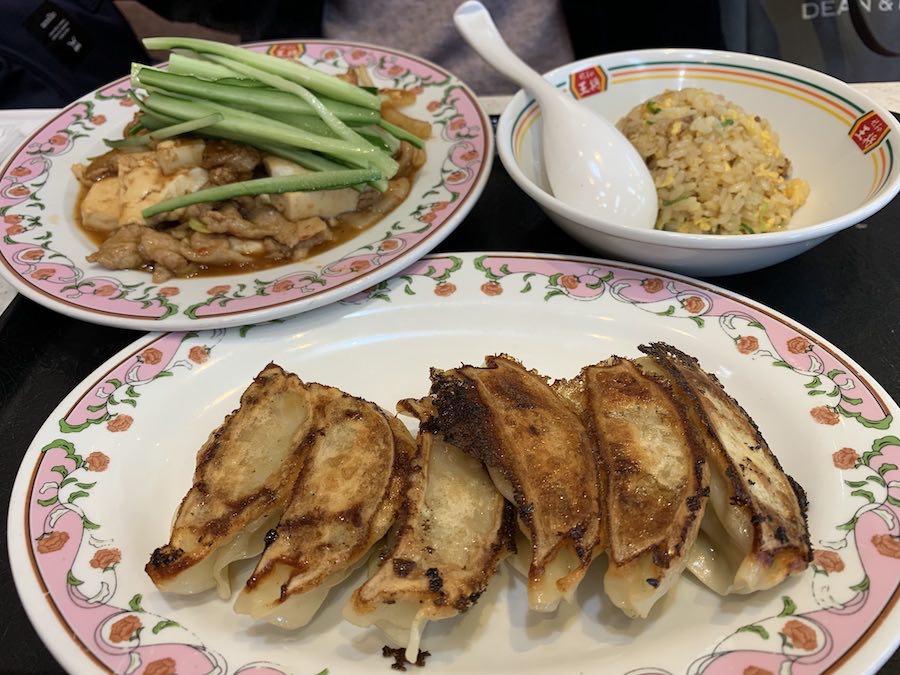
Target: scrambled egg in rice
x,y
717,169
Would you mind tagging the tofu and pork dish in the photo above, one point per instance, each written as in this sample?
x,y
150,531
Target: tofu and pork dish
x,y
241,160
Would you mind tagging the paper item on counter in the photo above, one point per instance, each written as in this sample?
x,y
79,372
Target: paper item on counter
x,y
15,126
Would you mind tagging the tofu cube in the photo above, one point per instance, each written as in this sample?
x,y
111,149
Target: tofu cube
x,y
179,154
100,206
143,184
302,205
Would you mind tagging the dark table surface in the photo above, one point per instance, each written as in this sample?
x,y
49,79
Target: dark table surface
x,y
847,290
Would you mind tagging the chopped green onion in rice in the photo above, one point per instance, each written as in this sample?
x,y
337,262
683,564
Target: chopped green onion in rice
x,y
717,169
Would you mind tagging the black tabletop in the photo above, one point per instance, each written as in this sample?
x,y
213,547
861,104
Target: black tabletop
x,y
846,290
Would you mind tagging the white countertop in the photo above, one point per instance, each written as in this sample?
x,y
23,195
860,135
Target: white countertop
x,y
16,125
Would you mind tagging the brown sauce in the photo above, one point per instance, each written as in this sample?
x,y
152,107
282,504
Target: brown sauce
x,y
340,234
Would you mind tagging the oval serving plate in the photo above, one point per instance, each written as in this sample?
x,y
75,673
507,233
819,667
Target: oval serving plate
x,y
97,489
42,251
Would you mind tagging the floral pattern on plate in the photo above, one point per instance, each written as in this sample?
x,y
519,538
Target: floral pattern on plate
x,y
42,252
807,626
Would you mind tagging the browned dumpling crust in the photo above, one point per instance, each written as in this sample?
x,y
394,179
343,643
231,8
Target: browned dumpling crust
x,y
654,477
244,474
755,534
454,530
356,464
540,457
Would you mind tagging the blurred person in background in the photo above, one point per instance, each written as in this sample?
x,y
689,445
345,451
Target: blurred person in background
x,y
54,51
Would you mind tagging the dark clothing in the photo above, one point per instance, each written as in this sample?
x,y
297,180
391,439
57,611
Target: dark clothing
x,y
819,34
604,27
53,51
253,21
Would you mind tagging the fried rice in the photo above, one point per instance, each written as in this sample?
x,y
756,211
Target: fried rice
x,y
717,169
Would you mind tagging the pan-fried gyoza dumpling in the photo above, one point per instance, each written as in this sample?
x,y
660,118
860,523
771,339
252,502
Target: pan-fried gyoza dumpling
x,y
355,470
454,530
244,474
654,473
541,459
754,532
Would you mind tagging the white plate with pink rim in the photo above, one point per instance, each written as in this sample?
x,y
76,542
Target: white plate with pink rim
x,y
97,488
42,250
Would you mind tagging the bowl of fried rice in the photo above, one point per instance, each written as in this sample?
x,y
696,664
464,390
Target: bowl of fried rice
x,y
754,160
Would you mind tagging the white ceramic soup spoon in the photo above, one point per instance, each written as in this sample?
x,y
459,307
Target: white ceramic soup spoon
x,y
591,166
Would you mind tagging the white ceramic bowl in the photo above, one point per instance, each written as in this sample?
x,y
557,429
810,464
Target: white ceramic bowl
x,y
836,138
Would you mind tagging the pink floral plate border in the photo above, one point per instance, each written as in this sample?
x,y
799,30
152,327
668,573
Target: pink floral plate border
x,y
50,269
847,620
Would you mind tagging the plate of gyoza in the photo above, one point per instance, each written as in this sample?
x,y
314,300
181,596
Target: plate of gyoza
x,y
491,463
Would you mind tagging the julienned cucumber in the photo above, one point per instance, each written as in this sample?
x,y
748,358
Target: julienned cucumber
x,y
292,70
259,128
262,99
322,180
163,133
379,159
282,107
